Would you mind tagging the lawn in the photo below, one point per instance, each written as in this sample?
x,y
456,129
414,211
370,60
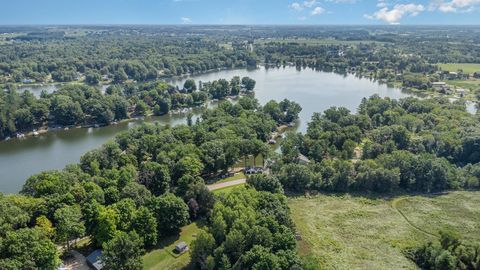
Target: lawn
x,y
164,258
227,189
355,232
466,67
471,84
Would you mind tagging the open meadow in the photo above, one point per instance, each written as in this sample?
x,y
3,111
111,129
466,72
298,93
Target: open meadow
x,y
466,67
356,232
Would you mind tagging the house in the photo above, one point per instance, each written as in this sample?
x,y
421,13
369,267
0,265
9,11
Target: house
x,y
94,260
439,85
181,247
303,159
461,92
476,75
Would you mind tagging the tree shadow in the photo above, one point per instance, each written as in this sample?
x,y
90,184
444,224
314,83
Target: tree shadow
x,y
367,195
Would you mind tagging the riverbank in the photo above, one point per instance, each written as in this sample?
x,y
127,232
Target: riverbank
x,y
315,91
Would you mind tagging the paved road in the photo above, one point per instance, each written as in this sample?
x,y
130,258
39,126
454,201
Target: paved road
x,y
226,184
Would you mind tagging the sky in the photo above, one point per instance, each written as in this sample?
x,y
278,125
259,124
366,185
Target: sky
x,y
321,12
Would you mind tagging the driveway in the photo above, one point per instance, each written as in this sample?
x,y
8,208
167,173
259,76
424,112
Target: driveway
x,y
78,262
226,184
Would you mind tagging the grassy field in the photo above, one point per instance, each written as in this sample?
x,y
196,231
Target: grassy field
x,y
350,232
471,84
466,67
165,259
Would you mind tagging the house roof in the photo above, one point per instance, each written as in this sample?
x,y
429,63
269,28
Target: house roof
x,y
95,259
180,246
303,158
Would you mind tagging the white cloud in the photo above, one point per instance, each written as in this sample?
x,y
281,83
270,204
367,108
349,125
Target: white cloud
x,y
309,7
396,13
316,11
305,5
186,20
381,4
309,3
342,1
296,6
454,5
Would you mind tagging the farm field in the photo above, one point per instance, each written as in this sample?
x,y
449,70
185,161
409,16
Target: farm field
x,y
471,84
350,232
466,67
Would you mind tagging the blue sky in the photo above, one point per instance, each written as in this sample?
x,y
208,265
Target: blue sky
x,y
239,11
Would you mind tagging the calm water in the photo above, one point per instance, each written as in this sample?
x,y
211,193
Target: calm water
x,y
314,91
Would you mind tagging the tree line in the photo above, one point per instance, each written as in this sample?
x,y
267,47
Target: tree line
x,y
409,144
133,191
77,104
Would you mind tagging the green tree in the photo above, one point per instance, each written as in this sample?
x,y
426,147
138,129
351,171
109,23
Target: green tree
x,y
120,76
28,249
145,224
141,108
123,252
202,247
92,78
171,213
69,224
155,177
105,225
262,182
23,119
190,85
248,83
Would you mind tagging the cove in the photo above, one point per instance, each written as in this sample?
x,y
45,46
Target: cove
x,y
314,90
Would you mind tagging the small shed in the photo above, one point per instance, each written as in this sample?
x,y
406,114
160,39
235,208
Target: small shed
x,y
94,260
461,92
303,159
439,85
181,247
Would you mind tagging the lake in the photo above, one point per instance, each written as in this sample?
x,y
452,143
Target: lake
x,y
315,91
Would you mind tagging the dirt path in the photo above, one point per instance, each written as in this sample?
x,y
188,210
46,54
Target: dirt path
x,y
226,184
78,262
394,205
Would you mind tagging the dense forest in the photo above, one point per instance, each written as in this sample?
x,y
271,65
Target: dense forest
x,y
409,144
149,182
132,60
82,105
104,54
141,187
